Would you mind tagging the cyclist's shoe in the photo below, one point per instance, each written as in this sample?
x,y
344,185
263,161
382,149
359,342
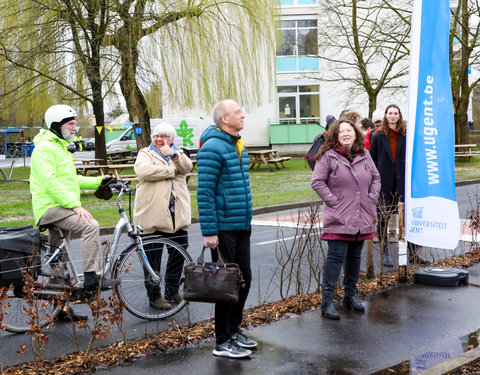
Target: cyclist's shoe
x,y
69,315
231,349
108,283
243,340
175,298
160,304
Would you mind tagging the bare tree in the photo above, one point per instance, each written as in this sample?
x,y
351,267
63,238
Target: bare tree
x,y
66,36
464,53
365,44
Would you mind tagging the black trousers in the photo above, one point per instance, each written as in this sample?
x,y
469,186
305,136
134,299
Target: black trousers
x,y
174,268
234,247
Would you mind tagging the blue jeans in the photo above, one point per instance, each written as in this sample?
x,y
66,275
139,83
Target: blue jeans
x,y
340,253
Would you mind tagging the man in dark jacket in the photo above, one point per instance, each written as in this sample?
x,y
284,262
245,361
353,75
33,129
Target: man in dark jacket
x,y
225,211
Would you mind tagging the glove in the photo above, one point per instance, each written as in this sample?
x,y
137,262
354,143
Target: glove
x,y
104,191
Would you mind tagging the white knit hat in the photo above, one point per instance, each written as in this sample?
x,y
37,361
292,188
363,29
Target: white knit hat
x,y
377,115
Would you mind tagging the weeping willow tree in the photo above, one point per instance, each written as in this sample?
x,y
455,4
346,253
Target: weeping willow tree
x,y
51,47
200,51
24,93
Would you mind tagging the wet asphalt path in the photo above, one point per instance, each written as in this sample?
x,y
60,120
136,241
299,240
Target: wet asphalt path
x,y
403,324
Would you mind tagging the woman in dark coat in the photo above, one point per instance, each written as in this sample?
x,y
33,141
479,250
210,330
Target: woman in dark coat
x,y
387,149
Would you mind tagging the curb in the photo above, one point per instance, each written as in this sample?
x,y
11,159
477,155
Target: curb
x,y
453,364
105,231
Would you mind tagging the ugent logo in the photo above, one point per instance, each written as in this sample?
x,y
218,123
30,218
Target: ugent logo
x,y
418,212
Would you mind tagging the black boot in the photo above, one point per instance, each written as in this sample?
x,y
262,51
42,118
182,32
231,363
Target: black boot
x,y
387,261
329,311
90,281
353,303
90,287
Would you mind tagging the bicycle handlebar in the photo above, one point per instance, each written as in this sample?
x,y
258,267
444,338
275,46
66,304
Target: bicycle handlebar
x,y
120,185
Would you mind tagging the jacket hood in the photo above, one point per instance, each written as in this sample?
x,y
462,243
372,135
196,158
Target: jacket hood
x,y
213,132
46,135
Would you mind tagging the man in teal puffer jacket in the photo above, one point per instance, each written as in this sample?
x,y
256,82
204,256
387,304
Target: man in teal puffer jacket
x,y
225,210
55,188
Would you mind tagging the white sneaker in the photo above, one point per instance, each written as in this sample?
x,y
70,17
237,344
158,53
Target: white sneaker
x,y
243,340
230,349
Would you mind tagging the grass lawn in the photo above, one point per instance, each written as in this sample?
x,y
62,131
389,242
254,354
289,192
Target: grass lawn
x,y
288,185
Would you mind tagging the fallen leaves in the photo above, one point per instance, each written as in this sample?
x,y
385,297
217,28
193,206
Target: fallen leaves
x,y
177,337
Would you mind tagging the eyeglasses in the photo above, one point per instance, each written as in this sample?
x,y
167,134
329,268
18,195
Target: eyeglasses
x,y
161,136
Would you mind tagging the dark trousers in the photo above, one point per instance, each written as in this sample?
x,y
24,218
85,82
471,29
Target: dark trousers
x,y
234,247
175,264
340,253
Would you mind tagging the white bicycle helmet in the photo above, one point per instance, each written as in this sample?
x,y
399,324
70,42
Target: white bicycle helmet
x,y
60,114
57,115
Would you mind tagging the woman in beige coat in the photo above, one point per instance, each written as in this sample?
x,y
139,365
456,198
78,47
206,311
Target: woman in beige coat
x,y
162,207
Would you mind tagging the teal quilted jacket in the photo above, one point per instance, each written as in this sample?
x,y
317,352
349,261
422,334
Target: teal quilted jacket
x,y
223,193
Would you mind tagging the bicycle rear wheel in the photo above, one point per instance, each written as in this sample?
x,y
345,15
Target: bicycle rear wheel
x,y
19,313
134,281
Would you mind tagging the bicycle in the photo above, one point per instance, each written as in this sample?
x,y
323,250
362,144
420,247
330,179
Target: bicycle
x,y
16,151
130,266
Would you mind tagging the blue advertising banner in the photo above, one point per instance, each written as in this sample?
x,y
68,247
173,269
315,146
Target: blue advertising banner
x,y
431,211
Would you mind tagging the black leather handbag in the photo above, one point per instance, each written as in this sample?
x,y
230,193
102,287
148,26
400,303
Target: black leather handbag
x,y
211,281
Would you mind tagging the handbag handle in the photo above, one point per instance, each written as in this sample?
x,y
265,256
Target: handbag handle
x,y
201,258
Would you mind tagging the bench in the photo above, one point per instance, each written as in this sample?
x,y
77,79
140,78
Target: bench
x,y
188,175
465,151
279,160
121,157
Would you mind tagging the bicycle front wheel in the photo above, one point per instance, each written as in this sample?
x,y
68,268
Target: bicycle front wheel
x,y
20,313
137,289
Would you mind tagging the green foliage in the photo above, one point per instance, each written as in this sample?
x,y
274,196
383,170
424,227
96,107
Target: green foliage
x,y
116,111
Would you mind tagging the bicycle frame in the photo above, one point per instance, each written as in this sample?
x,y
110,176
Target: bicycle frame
x,y
123,225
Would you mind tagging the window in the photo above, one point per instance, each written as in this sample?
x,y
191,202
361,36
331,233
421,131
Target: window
x,y
297,45
295,2
298,104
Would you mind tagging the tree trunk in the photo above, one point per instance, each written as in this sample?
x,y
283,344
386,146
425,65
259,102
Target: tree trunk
x,y
136,103
461,107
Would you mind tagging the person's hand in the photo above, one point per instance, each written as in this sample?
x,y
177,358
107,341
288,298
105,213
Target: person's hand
x,y
82,214
166,150
210,241
108,177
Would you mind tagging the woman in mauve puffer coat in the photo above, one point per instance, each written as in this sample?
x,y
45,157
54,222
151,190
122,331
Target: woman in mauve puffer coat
x,y
348,182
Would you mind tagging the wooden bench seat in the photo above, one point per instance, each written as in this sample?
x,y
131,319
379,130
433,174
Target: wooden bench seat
x,y
465,151
279,160
188,175
121,161
129,177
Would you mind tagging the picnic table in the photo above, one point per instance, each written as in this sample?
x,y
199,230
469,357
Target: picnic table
x,y
266,157
465,150
121,157
113,169
86,162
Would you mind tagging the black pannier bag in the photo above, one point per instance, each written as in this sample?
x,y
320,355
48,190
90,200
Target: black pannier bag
x,y
19,249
